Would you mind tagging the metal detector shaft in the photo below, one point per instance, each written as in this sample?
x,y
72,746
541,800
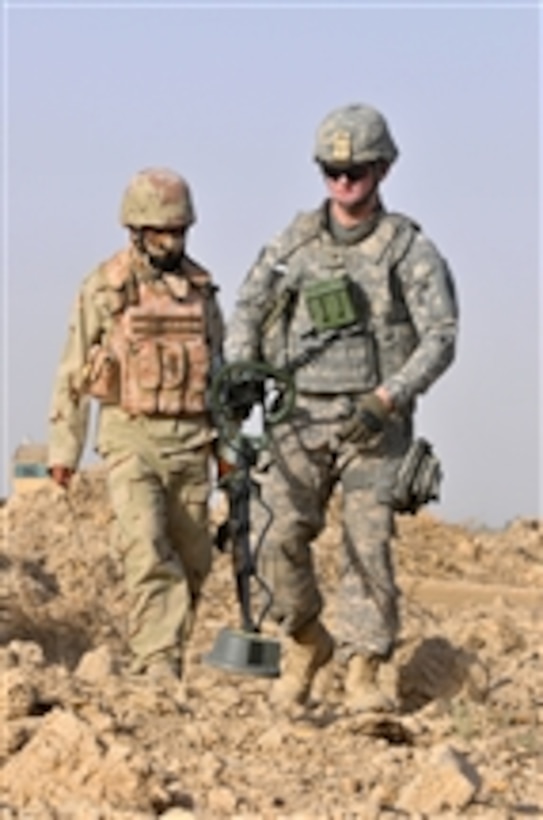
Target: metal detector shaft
x,y
236,389
239,492
242,557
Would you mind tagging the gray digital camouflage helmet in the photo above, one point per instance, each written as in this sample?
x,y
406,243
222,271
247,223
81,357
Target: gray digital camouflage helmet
x,y
352,135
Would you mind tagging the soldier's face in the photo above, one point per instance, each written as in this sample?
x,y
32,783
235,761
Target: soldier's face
x,y
165,248
159,241
353,188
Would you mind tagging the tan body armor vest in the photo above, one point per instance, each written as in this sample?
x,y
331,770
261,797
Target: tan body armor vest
x,y
154,357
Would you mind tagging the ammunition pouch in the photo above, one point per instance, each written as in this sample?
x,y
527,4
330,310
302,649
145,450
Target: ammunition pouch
x,y
330,303
418,479
101,375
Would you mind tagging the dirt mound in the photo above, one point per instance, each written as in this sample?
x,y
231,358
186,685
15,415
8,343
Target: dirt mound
x,y
83,740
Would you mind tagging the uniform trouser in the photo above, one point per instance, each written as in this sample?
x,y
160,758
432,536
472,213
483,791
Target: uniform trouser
x,y
161,512
296,484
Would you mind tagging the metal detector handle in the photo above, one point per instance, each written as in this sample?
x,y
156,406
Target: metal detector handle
x,y
256,372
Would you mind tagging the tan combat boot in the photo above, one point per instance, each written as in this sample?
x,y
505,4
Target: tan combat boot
x,y
163,669
362,693
159,667
312,648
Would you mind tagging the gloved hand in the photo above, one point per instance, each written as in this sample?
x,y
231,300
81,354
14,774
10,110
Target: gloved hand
x,y
241,395
366,422
61,475
225,459
224,468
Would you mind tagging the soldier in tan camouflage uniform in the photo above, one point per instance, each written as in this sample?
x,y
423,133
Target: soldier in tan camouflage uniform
x,y
358,303
145,335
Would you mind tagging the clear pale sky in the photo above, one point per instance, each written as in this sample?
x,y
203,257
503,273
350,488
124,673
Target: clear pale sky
x,y
230,95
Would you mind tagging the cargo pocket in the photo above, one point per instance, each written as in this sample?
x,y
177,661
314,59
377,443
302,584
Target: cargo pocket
x,y
196,501
194,540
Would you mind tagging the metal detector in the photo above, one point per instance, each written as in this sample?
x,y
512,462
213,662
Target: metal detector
x,y
236,389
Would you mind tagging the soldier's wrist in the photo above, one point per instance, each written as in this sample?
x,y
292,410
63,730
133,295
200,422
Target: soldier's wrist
x,y
384,396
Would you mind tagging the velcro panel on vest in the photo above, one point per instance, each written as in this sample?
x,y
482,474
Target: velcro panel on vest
x,y
183,327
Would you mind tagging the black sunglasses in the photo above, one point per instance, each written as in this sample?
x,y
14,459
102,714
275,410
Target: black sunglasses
x,y
354,173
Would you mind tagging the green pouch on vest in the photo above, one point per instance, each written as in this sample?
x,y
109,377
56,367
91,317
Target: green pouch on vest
x,y
330,303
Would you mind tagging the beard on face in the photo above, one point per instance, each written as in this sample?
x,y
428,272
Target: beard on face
x,y
167,261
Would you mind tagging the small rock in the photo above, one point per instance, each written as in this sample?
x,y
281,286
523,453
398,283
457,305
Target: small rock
x,y
96,665
14,735
447,781
468,549
26,653
209,768
17,694
272,738
222,800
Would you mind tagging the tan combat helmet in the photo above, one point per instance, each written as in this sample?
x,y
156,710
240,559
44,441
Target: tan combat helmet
x,y
353,135
157,198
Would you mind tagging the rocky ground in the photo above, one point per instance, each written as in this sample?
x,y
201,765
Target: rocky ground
x,y
82,740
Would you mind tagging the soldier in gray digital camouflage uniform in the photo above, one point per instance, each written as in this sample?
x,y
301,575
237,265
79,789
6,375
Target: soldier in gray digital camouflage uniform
x,y
359,304
145,336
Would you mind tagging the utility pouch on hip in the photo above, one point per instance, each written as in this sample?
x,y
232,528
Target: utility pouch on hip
x,y
330,303
418,479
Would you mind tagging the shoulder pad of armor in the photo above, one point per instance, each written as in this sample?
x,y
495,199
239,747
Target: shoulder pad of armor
x,y
403,222
198,276
116,270
305,226
394,230
405,233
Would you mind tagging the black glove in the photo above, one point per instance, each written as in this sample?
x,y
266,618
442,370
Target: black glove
x,y
366,422
240,396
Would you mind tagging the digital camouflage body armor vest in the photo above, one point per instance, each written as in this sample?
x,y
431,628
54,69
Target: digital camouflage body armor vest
x,y
339,319
154,357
